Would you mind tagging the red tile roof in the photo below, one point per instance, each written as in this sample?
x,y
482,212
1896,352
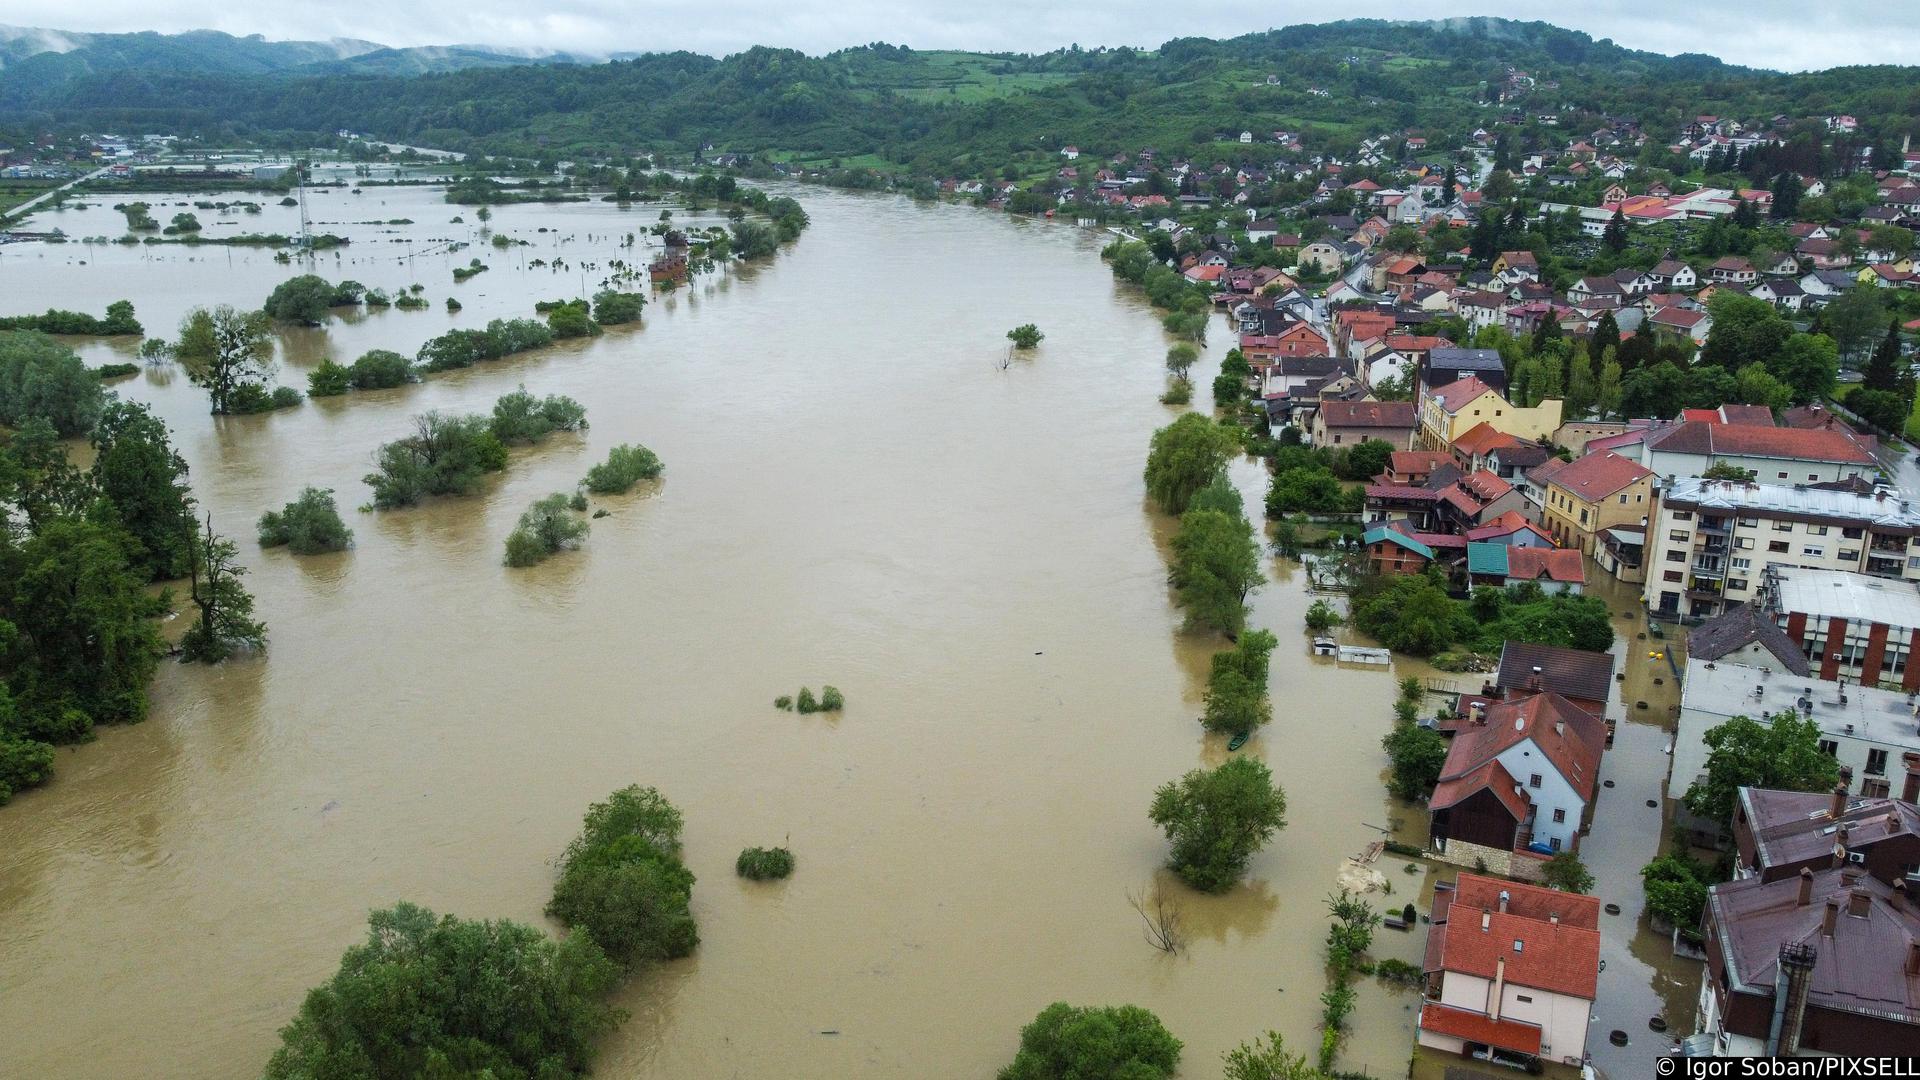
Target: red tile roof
x,y
1371,414
1561,957
1564,565
1750,440
1480,1028
1418,461
1455,395
1506,524
1597,476
1571,738
1483,437
1491,776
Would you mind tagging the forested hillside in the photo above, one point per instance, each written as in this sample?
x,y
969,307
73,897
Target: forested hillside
x,y
937,111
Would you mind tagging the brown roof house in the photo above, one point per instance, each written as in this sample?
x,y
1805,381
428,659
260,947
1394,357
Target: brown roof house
x,y
1585,678
1511,971
1777,834
1344,423
1824,962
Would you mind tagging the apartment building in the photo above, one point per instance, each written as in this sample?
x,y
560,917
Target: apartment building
x,y
1711,540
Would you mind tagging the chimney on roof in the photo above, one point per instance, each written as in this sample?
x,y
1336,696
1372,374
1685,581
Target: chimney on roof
x,y
1793,977
1911,792
1806,887
1857,902
1840,846
1504,897
1831,918
1533,680
1846,776
1839,804
1899,899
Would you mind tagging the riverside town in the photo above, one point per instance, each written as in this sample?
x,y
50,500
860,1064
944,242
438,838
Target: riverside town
x,y
1053,545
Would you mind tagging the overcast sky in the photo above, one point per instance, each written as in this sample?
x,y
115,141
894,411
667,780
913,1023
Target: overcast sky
x,y
1787,34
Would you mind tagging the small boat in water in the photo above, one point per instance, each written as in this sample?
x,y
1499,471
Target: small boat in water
x,y
1239,740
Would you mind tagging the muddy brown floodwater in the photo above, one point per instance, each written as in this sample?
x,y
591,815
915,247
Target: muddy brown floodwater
x,y
855,494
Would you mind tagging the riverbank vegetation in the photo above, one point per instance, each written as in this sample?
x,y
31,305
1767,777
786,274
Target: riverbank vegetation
x,y
1067,1042
1348,940
622,882
548,527
626,465
1237,700
309,525
42,379
117,320
1413,613
1217,819
1416,754
78,641
1216,561
432,995
1184,457
764,864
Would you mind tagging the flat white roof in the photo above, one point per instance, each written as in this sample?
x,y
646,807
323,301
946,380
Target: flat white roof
x,y
1732,496
1717,690
1854,597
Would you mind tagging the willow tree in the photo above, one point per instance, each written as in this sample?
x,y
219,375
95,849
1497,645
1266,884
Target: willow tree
x,y
226,622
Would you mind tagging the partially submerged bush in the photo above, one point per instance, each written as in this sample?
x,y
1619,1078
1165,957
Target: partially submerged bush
x,y
308,525
329,380
805,703
445,455
380,369
520,417
762,864
622,882
626,465
830,699
548,526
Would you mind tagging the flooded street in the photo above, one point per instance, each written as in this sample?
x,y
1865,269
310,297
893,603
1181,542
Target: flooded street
x,y
855,494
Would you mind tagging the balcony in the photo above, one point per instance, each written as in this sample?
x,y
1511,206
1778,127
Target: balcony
x,y
1885,566
1715,526
1896,545
1709,568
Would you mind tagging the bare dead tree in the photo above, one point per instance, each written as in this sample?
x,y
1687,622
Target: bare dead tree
x,y
1006,359
1162,918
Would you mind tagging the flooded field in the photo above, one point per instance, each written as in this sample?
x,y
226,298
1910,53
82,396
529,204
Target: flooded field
x,y
856,494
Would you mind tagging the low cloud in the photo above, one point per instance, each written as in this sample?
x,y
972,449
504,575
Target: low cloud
x,y
1791,35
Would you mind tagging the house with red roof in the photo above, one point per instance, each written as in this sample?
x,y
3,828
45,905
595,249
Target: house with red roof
x,y
1555,570
1511,529
1511,969
1775,455
1412,466
1594,493
1470,450
1686,322
1473,500
1519,778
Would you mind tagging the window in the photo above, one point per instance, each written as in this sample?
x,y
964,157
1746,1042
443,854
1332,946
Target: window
x,y
1743,564
1744,543
1778,547
1559,817
1851,555
1336,440
1817,530
1813,478
1534,780
1674,575
1876,763
1830,747
1623,500
1679,535
1553,842
1874,789
1523,998
1783,526
1683,515
1749,521
1813,552
1852,533
1783,476
1676,556
1583,517
1738,584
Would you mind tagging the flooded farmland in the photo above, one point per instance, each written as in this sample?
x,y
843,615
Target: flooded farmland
x,y
855,493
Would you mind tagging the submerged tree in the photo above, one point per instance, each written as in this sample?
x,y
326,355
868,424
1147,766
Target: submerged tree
x,y
1217,819
226,620
228,353
145,482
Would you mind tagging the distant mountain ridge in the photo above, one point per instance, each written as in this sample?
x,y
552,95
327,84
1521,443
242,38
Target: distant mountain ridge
x,y
43,57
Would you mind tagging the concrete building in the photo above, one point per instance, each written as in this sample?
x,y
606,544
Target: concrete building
x,y
1510,969
1450,411
1869,731
1773,454
1849,626
1711,540
1777,834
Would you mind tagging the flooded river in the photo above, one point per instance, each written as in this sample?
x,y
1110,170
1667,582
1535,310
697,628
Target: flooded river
x,y
856,494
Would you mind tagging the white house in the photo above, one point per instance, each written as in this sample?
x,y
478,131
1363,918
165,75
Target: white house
x,y
1511,968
